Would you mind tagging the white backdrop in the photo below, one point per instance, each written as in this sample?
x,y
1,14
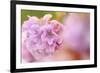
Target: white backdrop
x,y
5,37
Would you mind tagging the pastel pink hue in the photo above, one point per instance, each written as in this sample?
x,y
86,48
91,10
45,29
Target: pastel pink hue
x,y
40,38
77,31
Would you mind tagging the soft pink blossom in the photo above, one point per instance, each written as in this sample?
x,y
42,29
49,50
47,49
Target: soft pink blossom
x,y
40,38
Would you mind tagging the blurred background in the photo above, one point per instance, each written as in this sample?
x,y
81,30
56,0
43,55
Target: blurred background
x,y
56,15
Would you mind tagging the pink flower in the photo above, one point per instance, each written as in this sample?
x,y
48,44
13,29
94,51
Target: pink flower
x,y
77,29
40,38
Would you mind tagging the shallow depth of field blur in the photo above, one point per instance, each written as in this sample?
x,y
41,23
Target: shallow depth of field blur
x,y
75,37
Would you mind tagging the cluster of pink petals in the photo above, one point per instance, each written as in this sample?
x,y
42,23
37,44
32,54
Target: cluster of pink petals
x,y
40,37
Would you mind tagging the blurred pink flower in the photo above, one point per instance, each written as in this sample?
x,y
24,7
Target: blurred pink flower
x,y
77,29
40,38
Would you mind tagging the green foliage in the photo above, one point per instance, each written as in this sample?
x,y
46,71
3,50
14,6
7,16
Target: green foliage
x,y
39,14
56,15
